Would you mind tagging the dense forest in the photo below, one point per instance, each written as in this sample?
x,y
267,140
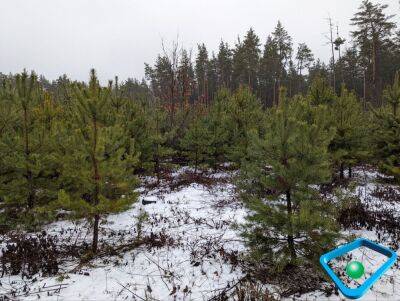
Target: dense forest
x,y
290,127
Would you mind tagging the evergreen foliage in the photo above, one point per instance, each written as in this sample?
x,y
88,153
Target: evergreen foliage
x,y
97,174
29,167
244,114
217,124
320,92
77,149
348,145
372,34
197,143
224,66
392,94
246,60
385,133
289,221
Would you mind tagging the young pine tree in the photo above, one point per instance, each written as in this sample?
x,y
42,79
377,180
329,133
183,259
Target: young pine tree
x,y
147,125
29,169
385,133
386,142
97,176
392,94
196,143
135,120
244,114
320,92
160,151
347,146
289,221
6,108
217,124
7,118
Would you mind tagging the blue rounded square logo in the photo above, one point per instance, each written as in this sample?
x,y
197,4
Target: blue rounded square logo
x,y
355,293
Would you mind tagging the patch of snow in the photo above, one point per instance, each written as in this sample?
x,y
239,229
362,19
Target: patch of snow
x,y
199,220
191,216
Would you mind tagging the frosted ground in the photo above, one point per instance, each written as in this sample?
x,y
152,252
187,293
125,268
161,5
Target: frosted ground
x,y
198,261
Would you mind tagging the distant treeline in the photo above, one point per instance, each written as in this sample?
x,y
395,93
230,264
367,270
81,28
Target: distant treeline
x,y
366,67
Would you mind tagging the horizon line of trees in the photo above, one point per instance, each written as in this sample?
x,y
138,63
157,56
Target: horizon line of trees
x,y
365,67
177,79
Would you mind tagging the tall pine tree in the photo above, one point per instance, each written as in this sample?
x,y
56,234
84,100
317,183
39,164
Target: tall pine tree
x,y
224,66
371,35
246,60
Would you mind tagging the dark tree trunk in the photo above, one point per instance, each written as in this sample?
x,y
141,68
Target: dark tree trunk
x,y
195,163
96,179
276,91
341,171
157,170
157,166
31,196
28,175
376,74
350,172
290,237
95,233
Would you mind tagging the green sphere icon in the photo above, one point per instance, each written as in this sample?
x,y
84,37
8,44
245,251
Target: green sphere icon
x,y
355,269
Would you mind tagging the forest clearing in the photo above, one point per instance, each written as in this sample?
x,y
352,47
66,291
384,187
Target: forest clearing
x,y
227,173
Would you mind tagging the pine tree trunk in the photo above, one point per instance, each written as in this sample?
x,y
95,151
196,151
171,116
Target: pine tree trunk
x,y
333,65
341,171
364,90
277,88
350,172
31,196
172,100
28,176
300,86
95,233
215,157
376,78
156,159
157,170
195,163
290,238
96,178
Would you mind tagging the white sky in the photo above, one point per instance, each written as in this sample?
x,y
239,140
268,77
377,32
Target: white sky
x,y
117,37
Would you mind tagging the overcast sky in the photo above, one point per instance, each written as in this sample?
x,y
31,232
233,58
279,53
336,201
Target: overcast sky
x,y
117,37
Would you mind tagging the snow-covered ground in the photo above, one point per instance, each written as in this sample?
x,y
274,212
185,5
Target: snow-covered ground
x,y
197,262
195,267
